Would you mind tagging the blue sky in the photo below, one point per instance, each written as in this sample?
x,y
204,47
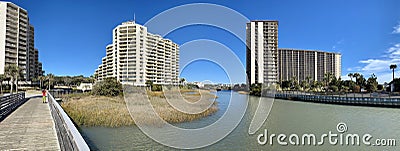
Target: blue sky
x,y
71,35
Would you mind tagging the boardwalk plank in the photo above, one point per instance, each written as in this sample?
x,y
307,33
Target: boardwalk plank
x,y
30,127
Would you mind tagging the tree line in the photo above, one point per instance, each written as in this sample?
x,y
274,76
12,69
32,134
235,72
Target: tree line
x,y
329,83
50,80
333,84
9,81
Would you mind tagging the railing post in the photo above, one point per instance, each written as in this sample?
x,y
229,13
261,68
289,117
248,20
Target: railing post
x,y
68,135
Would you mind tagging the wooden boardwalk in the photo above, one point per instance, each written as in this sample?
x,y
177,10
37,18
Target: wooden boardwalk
x,y
342,99
30,127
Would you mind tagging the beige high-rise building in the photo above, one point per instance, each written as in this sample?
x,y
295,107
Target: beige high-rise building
x,y
300,64
17,40
265,63
137,56
262,51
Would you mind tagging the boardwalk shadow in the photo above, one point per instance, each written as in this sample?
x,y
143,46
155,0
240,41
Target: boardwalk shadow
x,y
32,97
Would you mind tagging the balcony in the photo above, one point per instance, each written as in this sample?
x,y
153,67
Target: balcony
x,y
23,24
12,17
11,41
11,45
11,30
23,48
23,31
12,11
14,36
23,20
11,55
22,58
12,61
13,51
22,43
23,14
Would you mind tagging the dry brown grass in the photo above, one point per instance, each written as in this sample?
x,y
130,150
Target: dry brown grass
x,y
91,110
98,111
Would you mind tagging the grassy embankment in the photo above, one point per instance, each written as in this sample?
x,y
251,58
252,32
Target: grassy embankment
x,y
89,110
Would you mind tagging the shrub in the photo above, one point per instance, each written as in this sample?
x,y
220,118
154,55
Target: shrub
x,y
107,87
156,87
357,89
380,87
255,89
334,88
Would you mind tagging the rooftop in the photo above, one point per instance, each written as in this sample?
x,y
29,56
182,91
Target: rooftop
x,y
307,50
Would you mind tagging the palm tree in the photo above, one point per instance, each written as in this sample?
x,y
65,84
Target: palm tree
x,y
182,81
328,78
294,82
35,80
149,84
67,81
2,78
17,76
50,77
357,76
372,84
351,75
392,67
360,80
41,79
11,71
318,85
92,79
308,78
96,76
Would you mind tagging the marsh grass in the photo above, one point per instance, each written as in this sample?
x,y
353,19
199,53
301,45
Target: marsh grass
x,y
171,115
89,110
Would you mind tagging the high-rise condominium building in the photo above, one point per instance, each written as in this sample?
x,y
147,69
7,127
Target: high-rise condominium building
x,y
307,64
265,63
137,56
17,41
34,67
262,51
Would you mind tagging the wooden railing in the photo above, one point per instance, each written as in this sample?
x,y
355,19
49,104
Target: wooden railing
x,y
68,135
9,103
347,99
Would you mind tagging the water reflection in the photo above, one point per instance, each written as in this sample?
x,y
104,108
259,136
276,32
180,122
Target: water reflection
x,y
286,117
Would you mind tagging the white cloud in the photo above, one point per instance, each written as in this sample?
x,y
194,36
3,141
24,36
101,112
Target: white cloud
x,y
375,65
396,29
354,69
385,77
394,48
380,66
345,77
